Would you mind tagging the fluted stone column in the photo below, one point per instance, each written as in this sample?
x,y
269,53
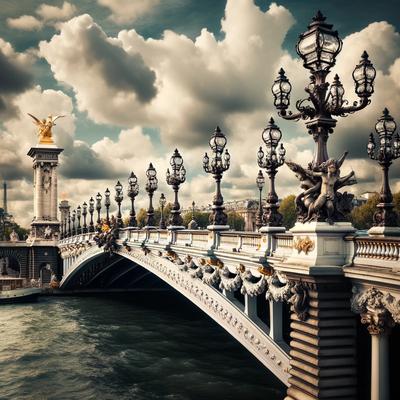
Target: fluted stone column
x,y
323,333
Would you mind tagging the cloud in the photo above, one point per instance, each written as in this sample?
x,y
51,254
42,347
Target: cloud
x,y
53,13
186,86
126,11
25,23
15,76
115,87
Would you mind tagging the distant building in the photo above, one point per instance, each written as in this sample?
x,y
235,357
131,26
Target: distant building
x,y
363,198
246,208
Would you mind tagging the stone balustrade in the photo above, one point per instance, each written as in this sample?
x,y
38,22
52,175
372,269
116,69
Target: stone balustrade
x,y
375,251
363,250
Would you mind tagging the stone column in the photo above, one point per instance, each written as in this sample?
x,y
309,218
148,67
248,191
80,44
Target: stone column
x,y
380,389
250,306
323,331
378,312
275,316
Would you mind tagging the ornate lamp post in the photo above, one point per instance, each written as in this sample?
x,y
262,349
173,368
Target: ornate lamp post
x,y
319,47
260,185
219,164
271,161
133,191
73,222
78,215
69,224
91,211
84,214
107,204
118,198
193,224
385,218
151,187
98,208
175,179
162,203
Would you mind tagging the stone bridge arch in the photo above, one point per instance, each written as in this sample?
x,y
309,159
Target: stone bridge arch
x,y
205,296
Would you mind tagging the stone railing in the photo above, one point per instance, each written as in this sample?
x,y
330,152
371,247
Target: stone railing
x,y
376,251
283,244
362,250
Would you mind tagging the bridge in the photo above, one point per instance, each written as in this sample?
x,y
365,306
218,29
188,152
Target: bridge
x,y
299,300
237,278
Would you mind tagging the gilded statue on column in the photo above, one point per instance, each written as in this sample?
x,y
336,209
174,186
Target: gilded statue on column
x,y
44,128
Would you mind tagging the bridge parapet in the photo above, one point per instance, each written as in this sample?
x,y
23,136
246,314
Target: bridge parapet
x,y
377,250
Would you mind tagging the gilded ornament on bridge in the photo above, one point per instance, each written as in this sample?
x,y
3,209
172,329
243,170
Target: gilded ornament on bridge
x,y
44,128
304,244
264,270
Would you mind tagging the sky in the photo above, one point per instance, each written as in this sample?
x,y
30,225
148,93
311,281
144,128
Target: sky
x,y
138,78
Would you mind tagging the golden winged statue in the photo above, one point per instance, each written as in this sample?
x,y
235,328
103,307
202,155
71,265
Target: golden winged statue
x,y
44,128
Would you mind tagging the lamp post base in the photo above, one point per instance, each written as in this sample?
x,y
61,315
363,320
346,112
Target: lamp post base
x,y
218,227
318,248
175,227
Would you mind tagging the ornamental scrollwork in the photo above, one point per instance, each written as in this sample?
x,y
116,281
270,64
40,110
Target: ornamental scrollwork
x,y
304,245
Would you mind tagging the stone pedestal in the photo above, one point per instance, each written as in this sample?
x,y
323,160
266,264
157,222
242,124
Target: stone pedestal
x,y
323,332
319,248
267,238
45,224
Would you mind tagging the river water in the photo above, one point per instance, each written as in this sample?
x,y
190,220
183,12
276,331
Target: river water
x,y
142,346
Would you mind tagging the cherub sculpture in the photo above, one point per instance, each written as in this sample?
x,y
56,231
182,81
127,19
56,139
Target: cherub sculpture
x,y
44,132
320,200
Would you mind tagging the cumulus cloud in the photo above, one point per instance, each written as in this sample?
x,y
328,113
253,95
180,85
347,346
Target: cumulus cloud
x,y
15,77
25,23
48,15
115,86
125,11
53,13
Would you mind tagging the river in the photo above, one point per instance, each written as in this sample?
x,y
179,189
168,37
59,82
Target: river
x,y
142,346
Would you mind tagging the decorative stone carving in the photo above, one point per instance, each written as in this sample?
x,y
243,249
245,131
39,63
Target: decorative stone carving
x,y
279,287
300,300
304,245
48,232
210,275
250,286
107,240
14,236
378,311
229,281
